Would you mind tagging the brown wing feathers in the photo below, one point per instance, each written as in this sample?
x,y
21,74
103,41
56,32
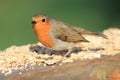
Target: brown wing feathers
x,y
68,34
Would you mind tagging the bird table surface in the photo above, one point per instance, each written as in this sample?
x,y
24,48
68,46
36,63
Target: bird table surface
x,y
19,62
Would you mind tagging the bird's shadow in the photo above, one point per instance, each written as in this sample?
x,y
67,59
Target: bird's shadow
x,y
43,50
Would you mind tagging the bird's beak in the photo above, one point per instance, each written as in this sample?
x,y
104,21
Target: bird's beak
x,y
34,22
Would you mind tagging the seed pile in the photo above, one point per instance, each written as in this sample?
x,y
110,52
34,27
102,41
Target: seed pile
x,y
17,58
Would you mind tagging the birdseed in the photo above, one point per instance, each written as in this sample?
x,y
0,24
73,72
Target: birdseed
x,y
19,58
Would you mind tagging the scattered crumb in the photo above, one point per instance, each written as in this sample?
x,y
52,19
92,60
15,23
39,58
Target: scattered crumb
x,y
19,58
20,72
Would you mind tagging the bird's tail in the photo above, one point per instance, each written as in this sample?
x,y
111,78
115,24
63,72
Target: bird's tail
x,y
86,32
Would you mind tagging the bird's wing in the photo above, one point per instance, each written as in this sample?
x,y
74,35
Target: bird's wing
x,y
65,33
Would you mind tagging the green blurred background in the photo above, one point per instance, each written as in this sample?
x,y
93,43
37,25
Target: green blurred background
x,y
15,17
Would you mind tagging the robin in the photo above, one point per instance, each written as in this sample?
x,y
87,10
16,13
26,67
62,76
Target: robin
x,y
57,35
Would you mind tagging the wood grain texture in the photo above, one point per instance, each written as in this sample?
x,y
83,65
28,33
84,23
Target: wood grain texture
x,y
106,68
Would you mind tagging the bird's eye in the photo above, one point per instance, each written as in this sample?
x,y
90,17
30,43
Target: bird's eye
x,y
43,20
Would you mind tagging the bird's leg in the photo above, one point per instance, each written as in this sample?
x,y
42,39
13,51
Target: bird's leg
x,y
60,61
68,53
70,50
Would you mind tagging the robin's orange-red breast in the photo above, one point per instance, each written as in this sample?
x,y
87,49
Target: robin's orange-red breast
x,y
58,35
